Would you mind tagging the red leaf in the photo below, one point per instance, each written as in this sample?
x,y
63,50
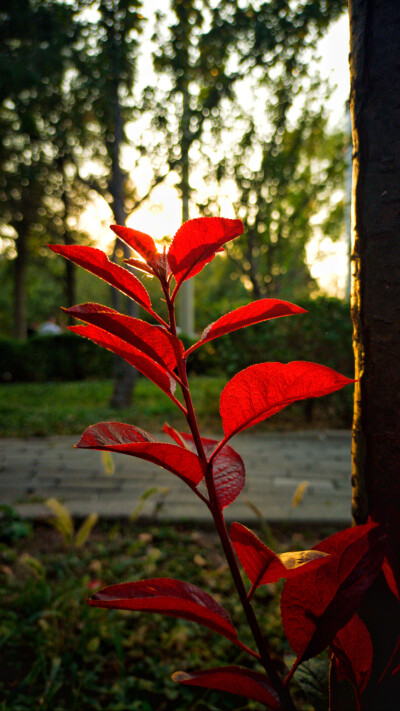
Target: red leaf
x,y
143,363
248,315
316,606
391,578
228,473
153,341
127,439
176,436
263,389
228,468
168,597
262,565
236,680
139,264
96,262
141,242
353,651
197,241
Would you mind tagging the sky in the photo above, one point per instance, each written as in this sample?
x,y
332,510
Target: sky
x,y
162,214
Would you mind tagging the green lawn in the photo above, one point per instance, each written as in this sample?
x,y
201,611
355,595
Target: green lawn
x,y
38,409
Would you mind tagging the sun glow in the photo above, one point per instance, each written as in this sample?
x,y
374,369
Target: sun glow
x,y
161,214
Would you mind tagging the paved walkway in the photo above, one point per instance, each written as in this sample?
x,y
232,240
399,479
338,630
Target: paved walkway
x,y
276,463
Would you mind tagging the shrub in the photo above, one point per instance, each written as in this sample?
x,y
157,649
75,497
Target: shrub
x,y
61,357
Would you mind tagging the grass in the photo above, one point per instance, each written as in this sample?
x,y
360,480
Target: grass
x,y
44,409
62,408
59,654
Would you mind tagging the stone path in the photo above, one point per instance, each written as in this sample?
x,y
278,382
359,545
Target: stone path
x,y
276,463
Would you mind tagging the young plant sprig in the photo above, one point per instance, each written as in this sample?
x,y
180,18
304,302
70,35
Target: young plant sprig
x,y
333,576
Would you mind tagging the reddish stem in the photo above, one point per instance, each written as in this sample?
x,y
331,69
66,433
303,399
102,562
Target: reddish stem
x,y
219,521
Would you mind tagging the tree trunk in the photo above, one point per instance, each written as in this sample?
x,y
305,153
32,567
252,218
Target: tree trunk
x,y
70,281
252,271
186,319
70,267
124,374
375,109
20,325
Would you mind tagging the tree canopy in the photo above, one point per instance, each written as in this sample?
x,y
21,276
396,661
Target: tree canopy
x,y
71,102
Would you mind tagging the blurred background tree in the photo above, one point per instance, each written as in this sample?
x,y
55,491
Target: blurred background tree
x,y
39,117
233,108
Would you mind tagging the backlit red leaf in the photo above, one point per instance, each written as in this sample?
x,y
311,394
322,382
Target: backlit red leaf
x,y
139,264
263,389
96,262
228,468
177,436
141,242
248,315
236,680
127,439
316,606
262,565
141,362
168,597
153,341
196,243
353,652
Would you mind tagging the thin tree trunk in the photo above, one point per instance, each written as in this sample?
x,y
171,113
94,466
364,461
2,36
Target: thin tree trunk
x,y
70,267
252,272
70,279
20,324
124,374
186,296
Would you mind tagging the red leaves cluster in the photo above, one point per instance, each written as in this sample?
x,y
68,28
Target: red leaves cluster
x,y
193,246
317,605
323,590
324,586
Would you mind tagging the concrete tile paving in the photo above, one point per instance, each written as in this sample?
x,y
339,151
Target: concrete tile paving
x,y
276,463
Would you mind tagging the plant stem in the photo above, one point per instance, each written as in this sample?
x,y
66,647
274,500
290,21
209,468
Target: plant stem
x,y
216,511
266,660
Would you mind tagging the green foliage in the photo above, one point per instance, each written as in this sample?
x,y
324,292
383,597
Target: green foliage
x,y
61,357
63,114
12,526
44,124
59,654
323,335
290,180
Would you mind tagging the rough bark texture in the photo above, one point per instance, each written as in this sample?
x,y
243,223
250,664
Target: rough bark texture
x,y
375,109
